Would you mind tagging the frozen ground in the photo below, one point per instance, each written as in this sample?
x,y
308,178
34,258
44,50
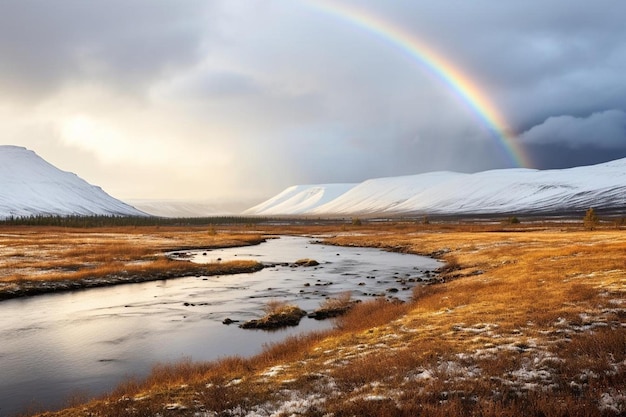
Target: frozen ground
x,y
538,372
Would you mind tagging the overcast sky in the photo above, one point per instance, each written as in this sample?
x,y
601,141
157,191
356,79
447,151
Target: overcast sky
x,y
238,99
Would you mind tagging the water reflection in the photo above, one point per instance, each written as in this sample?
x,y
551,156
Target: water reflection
x,y
53,345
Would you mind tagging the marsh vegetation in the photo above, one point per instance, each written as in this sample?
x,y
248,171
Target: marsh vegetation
x,y
35,260
526,319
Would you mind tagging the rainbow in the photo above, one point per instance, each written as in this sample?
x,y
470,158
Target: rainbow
x,y
467,90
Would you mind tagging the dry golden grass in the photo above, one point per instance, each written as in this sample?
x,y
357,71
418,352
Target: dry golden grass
x,y
31,256
517,278
275,307
339,301
529,320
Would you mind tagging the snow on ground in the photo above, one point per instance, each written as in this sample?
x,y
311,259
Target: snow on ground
x,y
489,192
538,371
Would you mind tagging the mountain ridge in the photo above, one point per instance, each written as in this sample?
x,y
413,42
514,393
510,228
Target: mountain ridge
x,y
500,191
31,186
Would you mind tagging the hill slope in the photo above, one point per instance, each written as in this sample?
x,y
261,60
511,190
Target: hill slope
x,y
500,191
30,186
300,199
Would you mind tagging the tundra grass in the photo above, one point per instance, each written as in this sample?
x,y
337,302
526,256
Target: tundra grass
x,y
522,321
34,260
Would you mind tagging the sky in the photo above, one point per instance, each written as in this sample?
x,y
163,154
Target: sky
x,y
234,100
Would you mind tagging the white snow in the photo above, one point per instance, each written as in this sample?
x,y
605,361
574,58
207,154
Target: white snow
x,y
299,199
383,194
613,401
30,186
500,191
274,371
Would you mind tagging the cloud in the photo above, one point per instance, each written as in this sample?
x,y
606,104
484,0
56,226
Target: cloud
x,y
215,98
604,130
210,84
46,45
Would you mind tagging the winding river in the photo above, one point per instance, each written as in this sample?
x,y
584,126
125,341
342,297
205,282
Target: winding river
x,y
53,346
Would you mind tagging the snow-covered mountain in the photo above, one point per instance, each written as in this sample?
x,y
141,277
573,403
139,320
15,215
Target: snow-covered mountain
x,y
30,186
300,199
500,191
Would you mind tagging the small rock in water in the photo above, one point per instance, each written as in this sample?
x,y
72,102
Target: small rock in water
x,y
306,262
287,316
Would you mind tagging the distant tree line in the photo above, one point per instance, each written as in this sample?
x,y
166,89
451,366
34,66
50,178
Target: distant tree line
x,y
110,221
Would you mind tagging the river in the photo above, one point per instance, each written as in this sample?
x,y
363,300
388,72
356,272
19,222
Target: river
x,y
53,346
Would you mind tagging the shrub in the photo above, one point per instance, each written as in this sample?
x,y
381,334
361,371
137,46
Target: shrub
x,y
334,307
342,300
590,220
274,307
512,220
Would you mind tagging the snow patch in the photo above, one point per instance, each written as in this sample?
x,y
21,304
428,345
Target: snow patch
x,y
274,371
613,402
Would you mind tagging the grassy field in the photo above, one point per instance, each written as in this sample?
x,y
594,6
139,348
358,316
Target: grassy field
x,y
34,260
525,320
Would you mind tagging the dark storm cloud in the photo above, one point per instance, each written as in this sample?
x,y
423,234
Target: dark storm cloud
x,y
606,130
566,141
556,156
46,44
555,69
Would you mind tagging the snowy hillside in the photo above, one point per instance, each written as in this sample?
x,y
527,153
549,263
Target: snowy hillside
x,y
31,186
489,192
383,194
300,199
